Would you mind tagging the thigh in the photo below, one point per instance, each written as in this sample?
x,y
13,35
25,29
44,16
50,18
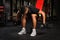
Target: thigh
x,y
34,15
26,10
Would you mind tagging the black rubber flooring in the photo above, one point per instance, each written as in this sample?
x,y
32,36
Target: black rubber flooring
x,y
9,32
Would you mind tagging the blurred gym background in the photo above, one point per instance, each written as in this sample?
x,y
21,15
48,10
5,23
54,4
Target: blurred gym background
x,y
8,9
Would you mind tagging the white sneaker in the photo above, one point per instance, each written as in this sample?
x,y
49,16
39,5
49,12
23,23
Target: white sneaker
x,y
33,32
22,32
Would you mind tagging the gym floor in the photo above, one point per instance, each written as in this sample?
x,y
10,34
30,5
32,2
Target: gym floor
x,y
51,32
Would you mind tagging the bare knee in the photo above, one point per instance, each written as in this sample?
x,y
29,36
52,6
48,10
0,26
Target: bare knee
x,y
34,16
42,12
24,16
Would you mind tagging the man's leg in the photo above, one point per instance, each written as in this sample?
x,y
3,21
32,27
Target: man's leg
x,y
44,17
34,21
23,31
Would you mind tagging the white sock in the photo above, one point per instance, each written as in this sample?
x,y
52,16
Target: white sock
x,y
23,28
33,29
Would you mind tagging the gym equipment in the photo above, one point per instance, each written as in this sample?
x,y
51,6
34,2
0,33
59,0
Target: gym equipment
x,y
2,15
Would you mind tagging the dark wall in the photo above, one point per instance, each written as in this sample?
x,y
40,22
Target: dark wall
x,y
57,8
1,2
